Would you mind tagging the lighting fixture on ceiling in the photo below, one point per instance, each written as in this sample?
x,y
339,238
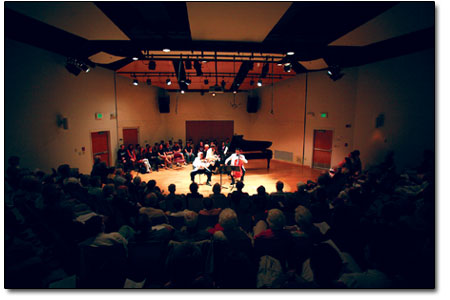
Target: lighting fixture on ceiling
x,y
234,92
259,82
135,82
166,50
287,68
334,72
265,70
75,66
149,81
290,53
168,81
182,91
206,81
213,94
135,58
188,81
188,64
152,65
198,68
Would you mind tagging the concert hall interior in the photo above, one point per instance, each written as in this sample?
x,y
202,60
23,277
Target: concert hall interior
x,y
309,91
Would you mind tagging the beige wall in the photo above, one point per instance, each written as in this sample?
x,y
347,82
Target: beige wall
x,y
37,89
402,89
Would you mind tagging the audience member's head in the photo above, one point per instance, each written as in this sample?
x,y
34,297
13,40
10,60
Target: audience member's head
x,y
108,190
151,200
228,219
216,189
276,219
193,187
64,171
261,190
172,188
303,216
279,186
137,180
190,219
151,184
239,185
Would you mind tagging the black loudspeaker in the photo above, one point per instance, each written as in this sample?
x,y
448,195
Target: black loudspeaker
x,y
164,104
252,104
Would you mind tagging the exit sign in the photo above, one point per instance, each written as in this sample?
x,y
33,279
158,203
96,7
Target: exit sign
x,y
324,115
98,116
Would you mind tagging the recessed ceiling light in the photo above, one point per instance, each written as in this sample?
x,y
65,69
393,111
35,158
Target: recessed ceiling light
x,y
290,53
135,58
135,82
166,50
259,82
168,81
182,91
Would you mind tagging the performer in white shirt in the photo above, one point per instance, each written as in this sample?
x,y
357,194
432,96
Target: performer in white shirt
x,y
211,157
201,167
237,159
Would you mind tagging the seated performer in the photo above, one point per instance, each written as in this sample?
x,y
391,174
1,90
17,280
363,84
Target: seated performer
x,y
237,159
201,167
211,157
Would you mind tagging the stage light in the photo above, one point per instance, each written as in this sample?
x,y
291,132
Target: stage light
x,y
168,81
135,82
135,58
259,82
213,94
290,53
287,68
149,81
252,82
166,50
84,67
206,81
151,65
182,91
188,81
334,72
234,92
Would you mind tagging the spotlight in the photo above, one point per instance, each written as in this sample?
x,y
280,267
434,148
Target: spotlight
x,y
234,92
188,64
198,68
84,67
206,81
287,68
265,70
151,65
182,91
259,82
168,81
149,81
135,58
290,53
252,82
335,72
72,68
188,81
213,94
135,82
167,50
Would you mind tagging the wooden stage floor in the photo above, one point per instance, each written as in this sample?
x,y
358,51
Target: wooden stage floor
x,y
257,174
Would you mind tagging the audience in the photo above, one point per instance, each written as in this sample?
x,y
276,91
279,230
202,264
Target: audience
x,y
352,228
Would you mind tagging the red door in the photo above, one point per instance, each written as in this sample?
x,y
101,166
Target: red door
x,y
100,145
130,136
323,146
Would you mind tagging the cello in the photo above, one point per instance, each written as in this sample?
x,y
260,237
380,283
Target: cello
x,y
238,174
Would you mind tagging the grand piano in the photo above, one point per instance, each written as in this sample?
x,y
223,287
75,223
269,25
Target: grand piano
x,y
252,149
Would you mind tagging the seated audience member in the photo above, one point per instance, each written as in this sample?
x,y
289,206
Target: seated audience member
x,y
326,265
219,199
208,209
168,151
178,210
178,154
278,198
151,209
100,169
190,231
163,157
145,232
259,203
131,157
189,152
274,239
200,148
194,198
153,158
96,229
185,268
305,226
168,203
141,158
122,155
239,199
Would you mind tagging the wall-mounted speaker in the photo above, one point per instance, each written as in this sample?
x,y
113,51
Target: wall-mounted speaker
x,y
252,104
164,104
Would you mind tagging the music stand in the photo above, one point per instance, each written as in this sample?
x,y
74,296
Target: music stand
x,y
223,169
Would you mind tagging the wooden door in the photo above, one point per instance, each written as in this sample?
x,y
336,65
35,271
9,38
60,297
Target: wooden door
x,y
211,130
100,146
323,146
130,136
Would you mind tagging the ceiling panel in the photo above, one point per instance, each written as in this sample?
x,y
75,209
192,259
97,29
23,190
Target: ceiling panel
x,y
234,21
83,19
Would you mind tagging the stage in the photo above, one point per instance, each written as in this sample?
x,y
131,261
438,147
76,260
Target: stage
x,y
257,174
